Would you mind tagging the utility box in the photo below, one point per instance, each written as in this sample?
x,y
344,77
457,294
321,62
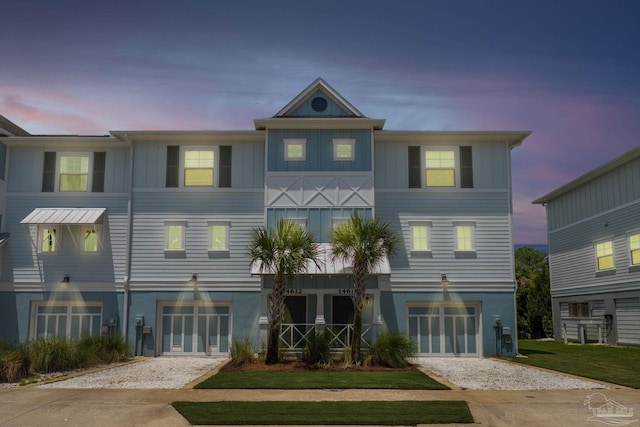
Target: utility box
x,y
146,330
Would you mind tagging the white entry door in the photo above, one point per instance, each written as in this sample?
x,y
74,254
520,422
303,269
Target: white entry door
x,y
444,330
195,329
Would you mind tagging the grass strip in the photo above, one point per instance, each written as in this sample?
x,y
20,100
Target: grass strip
x,y
327,413
611,364
404,380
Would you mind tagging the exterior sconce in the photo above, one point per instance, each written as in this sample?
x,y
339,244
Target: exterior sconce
x,y
367,301
443,280
66,279
194,279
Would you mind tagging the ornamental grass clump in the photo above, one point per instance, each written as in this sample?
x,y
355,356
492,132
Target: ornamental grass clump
x,y
15,362
242,352
317,350
391,350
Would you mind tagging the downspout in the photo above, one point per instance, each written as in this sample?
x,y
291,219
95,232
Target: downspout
x,y
127,276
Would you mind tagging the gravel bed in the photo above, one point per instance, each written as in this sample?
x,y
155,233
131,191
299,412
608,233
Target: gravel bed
x,y
155,373
493,374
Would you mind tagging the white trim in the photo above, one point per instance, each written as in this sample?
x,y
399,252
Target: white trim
x,y
420,223
168,224
629,249
472,225
597,258
218,223
456,165
216,163
68,314
287,142
351,142
82,154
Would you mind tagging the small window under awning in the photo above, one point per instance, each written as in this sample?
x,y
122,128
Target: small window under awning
x,y
68,216
65,216
327,265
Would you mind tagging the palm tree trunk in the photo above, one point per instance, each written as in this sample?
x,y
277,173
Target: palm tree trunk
x,y
276,312
359,290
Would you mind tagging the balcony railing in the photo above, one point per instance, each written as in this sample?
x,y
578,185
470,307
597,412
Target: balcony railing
x,y
294,336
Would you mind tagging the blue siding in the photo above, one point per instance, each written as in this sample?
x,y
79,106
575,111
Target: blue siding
x,y
319,150
333,109
319,220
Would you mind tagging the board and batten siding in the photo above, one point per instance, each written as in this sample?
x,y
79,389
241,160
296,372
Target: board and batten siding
x,y
606,192
150,164
26,167
243,210
319,150
319,221
493,260
23,264
490,163
573,259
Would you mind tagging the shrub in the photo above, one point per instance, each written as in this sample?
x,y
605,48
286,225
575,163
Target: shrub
x,y
391,350
242,352
15,362
55,354
318,348
105,348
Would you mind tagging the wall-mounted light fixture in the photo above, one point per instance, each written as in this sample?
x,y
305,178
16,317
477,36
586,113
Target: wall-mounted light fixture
x,y
194,279
65,279
443,280
367,300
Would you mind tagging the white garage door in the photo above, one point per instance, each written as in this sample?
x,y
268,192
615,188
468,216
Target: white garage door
x,y
628,320
444,330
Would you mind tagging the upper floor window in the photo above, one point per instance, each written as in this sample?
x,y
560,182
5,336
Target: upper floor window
x,y
89,240
201,166
344,149
464,236
48,239
604,255
634,248
295,149
420,236
447,167
440,168
175,235
78,172
218,236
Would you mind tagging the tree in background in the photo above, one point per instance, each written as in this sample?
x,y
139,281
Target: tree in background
x,y
533,297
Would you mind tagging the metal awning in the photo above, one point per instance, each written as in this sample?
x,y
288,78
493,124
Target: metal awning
x,y
327,265
69,216
3,238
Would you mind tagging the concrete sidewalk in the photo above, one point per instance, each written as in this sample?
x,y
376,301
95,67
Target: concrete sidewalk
x,y
31,406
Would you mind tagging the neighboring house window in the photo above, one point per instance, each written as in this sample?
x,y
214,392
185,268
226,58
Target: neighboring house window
x,y
578,309
218,236
78,172
465,236
604,255
89,240
48,240
175,236
67,320
344,149
420,236
634,247
295,149
198,168
440,168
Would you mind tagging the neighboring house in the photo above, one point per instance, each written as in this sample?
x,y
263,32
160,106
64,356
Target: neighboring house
x,y
594,253
145,233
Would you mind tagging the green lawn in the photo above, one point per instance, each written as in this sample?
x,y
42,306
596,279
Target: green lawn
x,y
301,413
610,364
401,380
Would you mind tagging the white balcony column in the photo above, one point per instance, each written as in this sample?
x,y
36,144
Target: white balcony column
x,y
320,321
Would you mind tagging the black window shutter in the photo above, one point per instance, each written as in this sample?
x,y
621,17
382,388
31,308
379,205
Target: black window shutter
x,y
173,166
224,175
49,172
466,167
97,183
414,167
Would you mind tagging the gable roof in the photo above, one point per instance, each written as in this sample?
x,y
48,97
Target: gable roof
x,y
589,176
318,85
9,127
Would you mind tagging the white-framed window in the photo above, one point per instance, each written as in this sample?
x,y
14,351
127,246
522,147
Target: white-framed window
x,y
335,222
73,172
218,236
295,149
66,320
175,232
344,149
440,167
199,166
420,236
89,239
634,249
464,236
604,255
48,239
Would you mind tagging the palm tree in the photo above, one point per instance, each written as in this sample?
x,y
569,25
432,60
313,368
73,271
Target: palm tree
x,y
363,243
283,252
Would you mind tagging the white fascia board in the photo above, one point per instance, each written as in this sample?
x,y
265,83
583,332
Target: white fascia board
x,y
319,123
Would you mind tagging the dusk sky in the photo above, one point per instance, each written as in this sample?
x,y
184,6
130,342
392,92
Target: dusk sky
x,y
568,71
